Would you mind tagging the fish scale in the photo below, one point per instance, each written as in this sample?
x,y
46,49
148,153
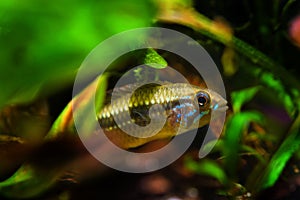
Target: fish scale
x,y
174,102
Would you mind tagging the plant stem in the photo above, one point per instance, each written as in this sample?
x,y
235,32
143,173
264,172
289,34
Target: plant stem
x,y
218,32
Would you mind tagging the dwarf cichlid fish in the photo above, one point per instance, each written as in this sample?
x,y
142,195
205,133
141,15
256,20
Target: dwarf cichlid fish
x,y
156,111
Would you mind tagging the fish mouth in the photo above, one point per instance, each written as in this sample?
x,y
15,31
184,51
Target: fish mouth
x,y
221,106
219,109
218,102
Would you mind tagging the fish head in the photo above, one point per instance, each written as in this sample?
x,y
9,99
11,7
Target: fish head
x,y
209,104
218,104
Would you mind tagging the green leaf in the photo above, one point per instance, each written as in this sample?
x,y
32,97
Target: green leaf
x,y
153,59
279,87
209,168
219,145
101,91
235,128
28,182
79,105
43,44
252,151
239,98
278,161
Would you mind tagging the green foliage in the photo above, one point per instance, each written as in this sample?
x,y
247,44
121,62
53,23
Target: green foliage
x,y
233,144
236,126
42,46
101,91
239,98
28,182
278,86
153,59
31,180
44,43
80,104
208,168
278,161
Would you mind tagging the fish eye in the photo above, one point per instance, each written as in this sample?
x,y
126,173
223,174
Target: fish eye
x,y
203,98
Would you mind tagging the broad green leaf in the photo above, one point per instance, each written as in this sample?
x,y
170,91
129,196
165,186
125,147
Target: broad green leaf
x,y
239,98
42,44
65,123
101,91
279,87
28,182
235,128
208,168
220,147
153,59
278,161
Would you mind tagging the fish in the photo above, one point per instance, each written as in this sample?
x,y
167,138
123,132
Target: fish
x,y
156,111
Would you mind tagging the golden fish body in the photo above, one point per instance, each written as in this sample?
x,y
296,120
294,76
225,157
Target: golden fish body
x,y
156,111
